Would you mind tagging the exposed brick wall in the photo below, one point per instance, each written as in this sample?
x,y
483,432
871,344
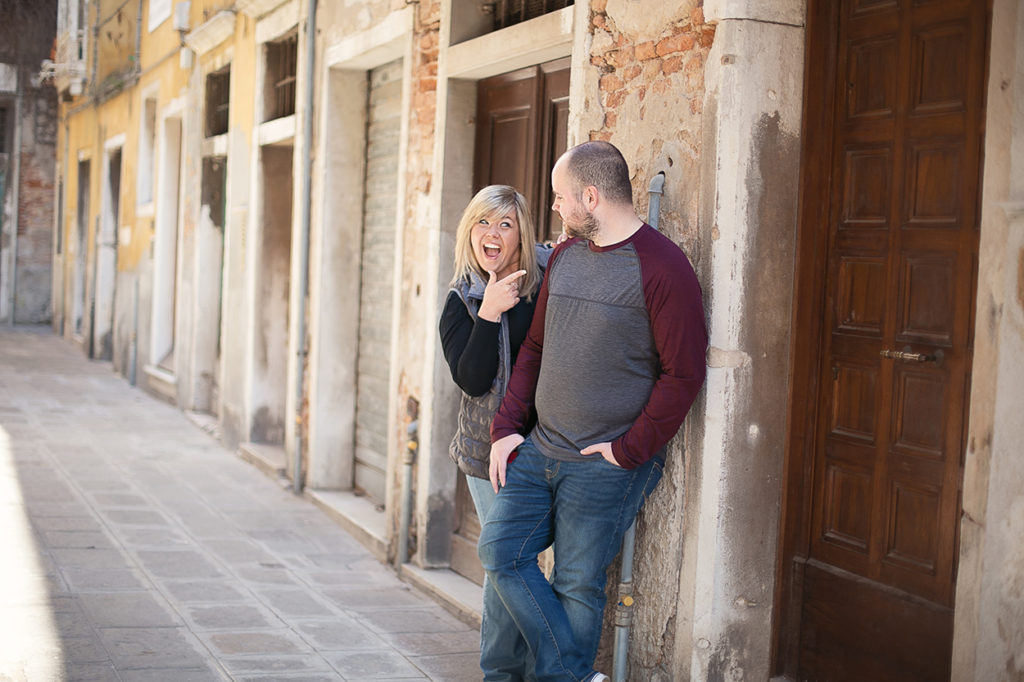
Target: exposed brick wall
x,y
670,64
424,98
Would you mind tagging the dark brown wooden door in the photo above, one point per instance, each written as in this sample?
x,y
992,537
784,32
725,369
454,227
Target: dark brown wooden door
x,y
875,589
522,123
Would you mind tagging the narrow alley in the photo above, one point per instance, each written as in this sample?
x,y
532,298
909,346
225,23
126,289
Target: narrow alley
x,y
136,547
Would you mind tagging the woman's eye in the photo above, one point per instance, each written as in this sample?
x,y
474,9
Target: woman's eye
x,y
506,224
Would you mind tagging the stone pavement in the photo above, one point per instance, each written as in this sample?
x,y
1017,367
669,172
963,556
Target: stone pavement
x,y
137,548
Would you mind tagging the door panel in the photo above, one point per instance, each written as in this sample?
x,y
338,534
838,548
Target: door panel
x,y
522,128
873,592
377,272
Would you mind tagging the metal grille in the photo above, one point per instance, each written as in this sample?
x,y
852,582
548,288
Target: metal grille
x,y
218,90
509,12
282,59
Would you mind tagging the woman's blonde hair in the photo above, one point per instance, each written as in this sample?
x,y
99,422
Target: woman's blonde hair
x,y
502,199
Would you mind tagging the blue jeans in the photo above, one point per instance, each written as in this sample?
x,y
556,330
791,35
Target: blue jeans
x,y
504,656
583,508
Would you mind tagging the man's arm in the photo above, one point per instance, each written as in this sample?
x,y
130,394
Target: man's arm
x,y
674,303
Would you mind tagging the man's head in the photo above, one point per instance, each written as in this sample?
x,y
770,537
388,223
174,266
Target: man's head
x,y
585,178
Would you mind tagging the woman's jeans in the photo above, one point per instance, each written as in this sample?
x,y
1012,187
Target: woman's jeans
x,y
584,509
503,653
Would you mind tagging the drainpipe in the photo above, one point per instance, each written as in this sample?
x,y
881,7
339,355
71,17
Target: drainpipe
x,y
133,346
408,459
17,196
307,173
624,609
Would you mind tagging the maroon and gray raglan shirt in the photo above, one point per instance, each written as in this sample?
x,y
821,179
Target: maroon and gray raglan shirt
x,y
615,352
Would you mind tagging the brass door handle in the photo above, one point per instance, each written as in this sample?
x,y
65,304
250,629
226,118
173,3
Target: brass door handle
x,y
910,357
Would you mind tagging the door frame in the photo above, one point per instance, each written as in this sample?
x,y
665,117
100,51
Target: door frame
x,y
807,327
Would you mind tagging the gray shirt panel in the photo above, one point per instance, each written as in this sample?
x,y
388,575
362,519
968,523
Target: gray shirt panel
x,y
599,362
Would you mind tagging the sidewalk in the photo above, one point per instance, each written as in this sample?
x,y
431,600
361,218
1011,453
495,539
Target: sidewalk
x,y
137,548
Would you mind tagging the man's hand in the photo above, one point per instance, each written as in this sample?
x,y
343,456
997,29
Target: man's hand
x,y
500,451
604,449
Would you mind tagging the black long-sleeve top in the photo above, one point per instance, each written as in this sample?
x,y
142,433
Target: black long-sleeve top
x,y
471,348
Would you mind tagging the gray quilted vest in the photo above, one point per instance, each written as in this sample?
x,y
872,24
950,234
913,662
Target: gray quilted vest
x,y
471,445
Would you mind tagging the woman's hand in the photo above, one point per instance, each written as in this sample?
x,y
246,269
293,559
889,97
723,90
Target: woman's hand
x,y
500,295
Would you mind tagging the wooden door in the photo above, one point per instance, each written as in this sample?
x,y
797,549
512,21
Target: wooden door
x,y
522,126
870,572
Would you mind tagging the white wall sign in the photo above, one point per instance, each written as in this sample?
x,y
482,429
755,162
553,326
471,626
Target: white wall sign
x,y
159,10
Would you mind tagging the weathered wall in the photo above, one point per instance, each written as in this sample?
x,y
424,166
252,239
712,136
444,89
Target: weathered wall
x,y
748,219
36,194
26,35
238,211
989,619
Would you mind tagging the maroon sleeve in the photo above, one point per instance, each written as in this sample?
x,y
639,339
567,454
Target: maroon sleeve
x,y
515,408
673,297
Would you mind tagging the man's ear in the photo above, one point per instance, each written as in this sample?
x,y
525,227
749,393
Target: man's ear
x,y
590,197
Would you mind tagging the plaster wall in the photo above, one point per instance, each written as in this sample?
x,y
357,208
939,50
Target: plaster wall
x,y
240,194
989,619
29,278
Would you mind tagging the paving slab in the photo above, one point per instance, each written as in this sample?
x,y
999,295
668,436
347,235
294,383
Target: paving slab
x,y
139,549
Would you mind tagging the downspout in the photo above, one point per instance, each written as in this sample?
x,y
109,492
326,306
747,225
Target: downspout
x,y
19,99
412,446
307,173
133,346
624,608
138,39
408,460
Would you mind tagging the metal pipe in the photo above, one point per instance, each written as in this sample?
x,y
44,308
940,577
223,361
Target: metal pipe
x,y
624,609
654,192
18,101
405,517
133,347
307,173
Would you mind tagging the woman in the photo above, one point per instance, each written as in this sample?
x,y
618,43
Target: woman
x,y
498,271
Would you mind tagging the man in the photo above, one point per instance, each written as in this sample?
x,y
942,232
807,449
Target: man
x,y
613,360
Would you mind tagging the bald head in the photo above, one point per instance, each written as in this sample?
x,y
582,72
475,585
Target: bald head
x,y
601,165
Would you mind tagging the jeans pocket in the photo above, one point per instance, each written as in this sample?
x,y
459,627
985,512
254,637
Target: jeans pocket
x,y
657,468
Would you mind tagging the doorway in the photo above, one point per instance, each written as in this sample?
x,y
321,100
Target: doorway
x,y
210,247
522,128
273,284
81,247
106,257
165,247
885,299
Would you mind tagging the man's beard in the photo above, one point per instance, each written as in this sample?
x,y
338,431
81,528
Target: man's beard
x,y
582,225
